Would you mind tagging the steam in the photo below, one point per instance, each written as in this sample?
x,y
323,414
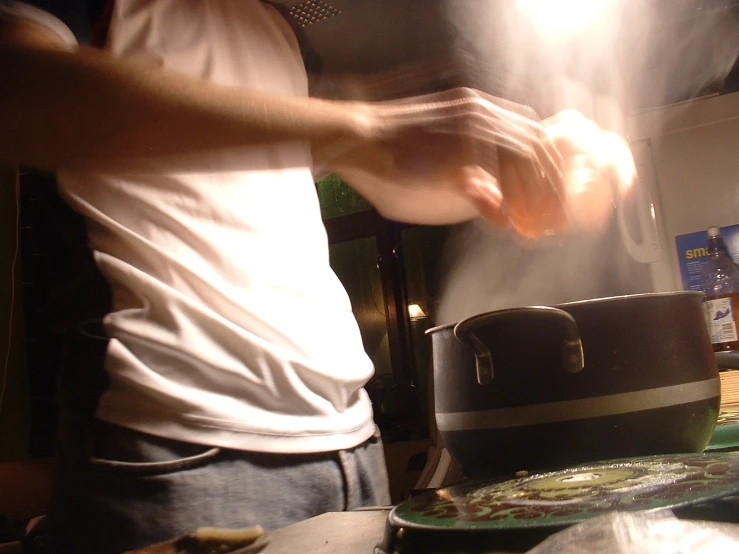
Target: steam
x,y
636,52
490,270
630,55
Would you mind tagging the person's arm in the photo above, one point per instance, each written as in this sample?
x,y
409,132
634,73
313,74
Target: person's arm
x,y
85,109
437,159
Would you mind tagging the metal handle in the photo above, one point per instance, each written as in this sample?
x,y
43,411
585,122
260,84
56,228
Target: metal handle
x,y
573,358
727,360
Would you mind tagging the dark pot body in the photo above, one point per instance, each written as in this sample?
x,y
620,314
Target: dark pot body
x,y
649,383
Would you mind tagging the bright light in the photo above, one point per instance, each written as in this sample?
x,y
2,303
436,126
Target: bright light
x,y
415,311
613,151
563,16
607,151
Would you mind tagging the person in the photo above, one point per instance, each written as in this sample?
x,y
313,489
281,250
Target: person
x,y
235,368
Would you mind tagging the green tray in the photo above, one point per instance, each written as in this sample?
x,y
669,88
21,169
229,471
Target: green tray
x,y
726,435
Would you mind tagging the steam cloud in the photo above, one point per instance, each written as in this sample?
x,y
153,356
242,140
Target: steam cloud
x,y
634,54
640,52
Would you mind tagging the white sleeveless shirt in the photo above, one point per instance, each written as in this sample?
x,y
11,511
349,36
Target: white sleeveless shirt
x,y
229,327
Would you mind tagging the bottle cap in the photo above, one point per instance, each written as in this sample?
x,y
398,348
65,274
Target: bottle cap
x,y
713,232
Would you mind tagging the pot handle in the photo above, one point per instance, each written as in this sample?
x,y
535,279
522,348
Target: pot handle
x,y
573,357
727,360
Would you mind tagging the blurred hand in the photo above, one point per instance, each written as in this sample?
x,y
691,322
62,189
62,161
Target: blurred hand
x,y
494,157
459,147
596,165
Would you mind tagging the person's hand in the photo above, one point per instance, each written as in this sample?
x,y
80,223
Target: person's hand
x,y
458,148
461,154
596,165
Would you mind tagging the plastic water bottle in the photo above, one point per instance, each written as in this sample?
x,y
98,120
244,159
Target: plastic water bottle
x,y
720,278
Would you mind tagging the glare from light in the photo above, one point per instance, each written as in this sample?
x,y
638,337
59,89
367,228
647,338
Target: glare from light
x,y
608,151
612,150
415,311
563,16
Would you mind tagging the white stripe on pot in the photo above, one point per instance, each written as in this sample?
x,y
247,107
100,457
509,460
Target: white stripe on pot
x,y
582,408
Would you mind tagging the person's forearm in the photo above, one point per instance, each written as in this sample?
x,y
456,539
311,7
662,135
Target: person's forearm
x,y
85,109
417,205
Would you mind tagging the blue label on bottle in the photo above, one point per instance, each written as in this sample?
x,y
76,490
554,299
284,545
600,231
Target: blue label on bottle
x,y
692,254
720,320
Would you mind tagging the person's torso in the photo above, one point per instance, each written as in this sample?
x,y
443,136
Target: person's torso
x,y
228,325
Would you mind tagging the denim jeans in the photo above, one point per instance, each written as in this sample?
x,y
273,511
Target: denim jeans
x,y
119,489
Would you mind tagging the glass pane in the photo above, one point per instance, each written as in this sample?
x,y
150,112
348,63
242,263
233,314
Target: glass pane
x,y
355,263
423,249
337,198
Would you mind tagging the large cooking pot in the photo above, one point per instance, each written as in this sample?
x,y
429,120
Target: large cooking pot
x,y
544,387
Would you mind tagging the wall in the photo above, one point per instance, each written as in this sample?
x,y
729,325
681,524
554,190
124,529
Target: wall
x,y
15,408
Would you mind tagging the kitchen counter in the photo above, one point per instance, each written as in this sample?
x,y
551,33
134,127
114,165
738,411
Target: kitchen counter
x,y
354,532
358,532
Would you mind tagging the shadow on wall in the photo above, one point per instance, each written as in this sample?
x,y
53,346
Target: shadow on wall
x,y
15,405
